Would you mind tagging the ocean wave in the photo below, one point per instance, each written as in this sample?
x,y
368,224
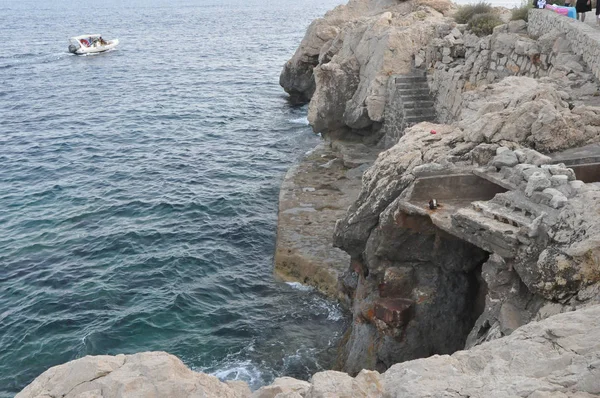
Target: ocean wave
x,y
244,370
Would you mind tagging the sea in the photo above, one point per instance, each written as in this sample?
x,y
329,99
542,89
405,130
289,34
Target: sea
x,y
139,188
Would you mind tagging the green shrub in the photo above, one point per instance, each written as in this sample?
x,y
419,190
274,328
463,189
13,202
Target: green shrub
x,y
465,13
521,12
484,24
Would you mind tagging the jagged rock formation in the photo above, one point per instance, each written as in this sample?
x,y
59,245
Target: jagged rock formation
x,y
557,357
345,60
438,264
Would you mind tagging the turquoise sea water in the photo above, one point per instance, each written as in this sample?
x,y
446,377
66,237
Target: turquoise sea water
x,y
138,188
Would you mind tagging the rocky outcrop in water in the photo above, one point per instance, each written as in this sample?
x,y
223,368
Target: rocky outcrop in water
x,y
557,357
345,60
313,195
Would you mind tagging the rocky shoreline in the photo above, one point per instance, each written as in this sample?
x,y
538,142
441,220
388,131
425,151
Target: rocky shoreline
x,y
493,290
557,357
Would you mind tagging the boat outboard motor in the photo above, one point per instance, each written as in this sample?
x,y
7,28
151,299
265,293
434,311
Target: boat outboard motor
x,y
72,48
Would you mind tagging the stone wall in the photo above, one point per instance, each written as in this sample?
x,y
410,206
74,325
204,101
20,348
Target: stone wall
x,y
583,39
394,125
460,62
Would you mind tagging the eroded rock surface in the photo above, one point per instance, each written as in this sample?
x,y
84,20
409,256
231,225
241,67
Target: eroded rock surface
x,y
313,195
147,374
346,58
437,260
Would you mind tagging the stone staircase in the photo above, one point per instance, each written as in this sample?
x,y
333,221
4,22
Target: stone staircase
x,y
503,223
416,100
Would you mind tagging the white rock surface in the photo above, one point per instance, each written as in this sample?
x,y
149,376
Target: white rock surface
x,y
558,357
143,375
283,387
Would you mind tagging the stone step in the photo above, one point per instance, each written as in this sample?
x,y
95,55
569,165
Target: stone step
x,y
503,214
411,78
416,97
418,119
426,112
417,84
413,91
517,202
488,234
418,104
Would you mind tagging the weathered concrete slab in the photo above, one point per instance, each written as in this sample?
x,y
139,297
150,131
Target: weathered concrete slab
x,y
574,156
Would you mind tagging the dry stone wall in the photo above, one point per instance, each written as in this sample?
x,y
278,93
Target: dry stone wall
x,y
460,62
583,39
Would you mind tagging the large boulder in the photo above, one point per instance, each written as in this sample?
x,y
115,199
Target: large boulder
x,y
356,77
558,357
147,374
320,42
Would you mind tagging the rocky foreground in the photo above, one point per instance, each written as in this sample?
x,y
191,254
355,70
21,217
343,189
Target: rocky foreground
x,y
557,357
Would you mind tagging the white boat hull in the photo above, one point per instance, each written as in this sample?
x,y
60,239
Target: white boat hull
x,y
97,48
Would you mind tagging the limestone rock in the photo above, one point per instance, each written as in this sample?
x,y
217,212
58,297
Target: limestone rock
x,y
346,58
537,182
337,384
557,357
505,159
356,81
521,109
147,374
311,199
283,387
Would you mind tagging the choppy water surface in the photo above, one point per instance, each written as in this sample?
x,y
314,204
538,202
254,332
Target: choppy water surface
x,y
138,188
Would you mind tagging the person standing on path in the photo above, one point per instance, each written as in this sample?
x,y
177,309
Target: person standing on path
x,y
583,6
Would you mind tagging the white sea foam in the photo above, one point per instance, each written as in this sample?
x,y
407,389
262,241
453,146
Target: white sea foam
x,y
300,286
301,120
242,370
332,309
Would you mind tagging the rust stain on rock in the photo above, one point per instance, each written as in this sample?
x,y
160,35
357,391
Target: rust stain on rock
x,y
394,312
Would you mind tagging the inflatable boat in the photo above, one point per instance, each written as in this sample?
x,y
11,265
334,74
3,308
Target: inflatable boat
x,y
89,44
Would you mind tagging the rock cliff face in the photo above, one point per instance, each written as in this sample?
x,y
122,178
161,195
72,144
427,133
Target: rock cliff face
x,y
498,251
557,357
346,58
421,276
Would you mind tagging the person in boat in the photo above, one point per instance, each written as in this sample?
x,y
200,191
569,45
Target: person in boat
x,y
102,41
